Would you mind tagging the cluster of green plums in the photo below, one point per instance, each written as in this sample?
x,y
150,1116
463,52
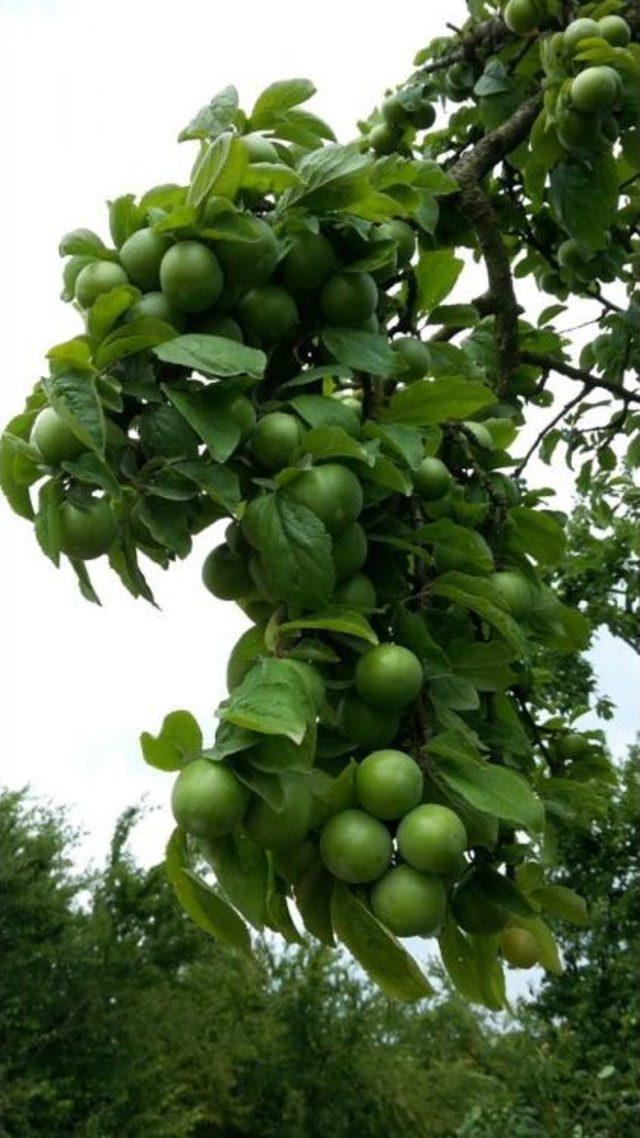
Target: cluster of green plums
x,y
595,102
402,114
407,856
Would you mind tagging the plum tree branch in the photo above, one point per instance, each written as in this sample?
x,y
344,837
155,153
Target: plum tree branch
x,y
469,171
589,381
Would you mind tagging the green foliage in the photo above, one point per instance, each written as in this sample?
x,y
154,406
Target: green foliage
x,y
290,286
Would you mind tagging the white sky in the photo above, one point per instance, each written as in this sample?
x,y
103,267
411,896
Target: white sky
x,y
93,97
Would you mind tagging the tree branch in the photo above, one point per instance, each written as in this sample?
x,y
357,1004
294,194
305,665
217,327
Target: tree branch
x,y
549,427
590,382
469,171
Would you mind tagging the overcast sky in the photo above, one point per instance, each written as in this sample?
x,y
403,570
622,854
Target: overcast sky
x,y
93,97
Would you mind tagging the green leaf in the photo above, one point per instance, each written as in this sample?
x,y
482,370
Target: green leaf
x,y
242,870
217,116
125,218
454,692
73,395
405,442
135,336
548,954
321,411
333,442
537,533
271,700
563,903
461,962
279,97
347,623
213,355
480,596
489,788
269,177
210,167
84,581
502,892
266,785
179,740
208,911
123,559
364,351
91,468
332,178
48,520
218,482
207,410
313,899
485,664
436,274
14,485
168,524
455,315
436,401
108,308
383,958
465,543
584,198
295,549
85,243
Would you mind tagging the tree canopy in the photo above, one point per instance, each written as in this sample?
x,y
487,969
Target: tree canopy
x,y
277,343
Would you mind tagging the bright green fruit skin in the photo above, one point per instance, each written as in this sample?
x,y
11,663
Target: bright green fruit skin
x,y
393,111
409,903
355,847
348,299
474,913
141,256
309,262
413,358
357,592
217,324
432,480
155,306
245,653
577,131
389,676
190,276
242,410
225,574
281,829
572,746
52,437
388,784
368,726
614,30
275,438
424,116
398,231
87,534
207,799
514,591
249,262
594,89
521,16
268,315
433,839
572,255
383,139
349,551
96,278
519,947
332,492
259,149
580,30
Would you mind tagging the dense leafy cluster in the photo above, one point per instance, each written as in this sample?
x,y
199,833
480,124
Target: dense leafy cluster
x,y
255,349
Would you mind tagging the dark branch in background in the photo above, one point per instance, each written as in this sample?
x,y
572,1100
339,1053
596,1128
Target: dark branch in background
x,y
589,381
469,171
549,427
487,36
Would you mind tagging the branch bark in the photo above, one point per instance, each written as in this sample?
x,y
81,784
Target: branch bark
x,y
469,171
589,381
